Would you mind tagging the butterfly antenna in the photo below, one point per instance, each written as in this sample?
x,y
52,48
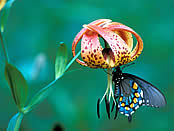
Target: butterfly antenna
x,y
128,65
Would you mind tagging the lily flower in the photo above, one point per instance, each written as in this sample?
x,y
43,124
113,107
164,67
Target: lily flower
x,y
118,49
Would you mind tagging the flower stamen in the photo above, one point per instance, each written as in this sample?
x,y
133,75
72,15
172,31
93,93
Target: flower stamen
x,y
107,95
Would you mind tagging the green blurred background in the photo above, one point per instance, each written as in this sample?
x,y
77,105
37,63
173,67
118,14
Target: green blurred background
x,y
32,32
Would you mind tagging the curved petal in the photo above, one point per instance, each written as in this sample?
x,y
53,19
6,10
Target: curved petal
x,y
74,44
126,36
91,50
2,3
99,22
139,46
116,43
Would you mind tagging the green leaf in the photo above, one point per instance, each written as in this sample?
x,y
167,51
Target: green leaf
x,y
61,60
18,85
43,93
15,122
5,12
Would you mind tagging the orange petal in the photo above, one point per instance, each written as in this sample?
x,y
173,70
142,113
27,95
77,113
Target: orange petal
x,y
116,43
80,34
139,46
74,44
100,22
91,50
126,36
2,3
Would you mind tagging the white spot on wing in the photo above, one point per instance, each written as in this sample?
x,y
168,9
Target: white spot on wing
x,y
141,93
136,107
132,112
126,114
140,102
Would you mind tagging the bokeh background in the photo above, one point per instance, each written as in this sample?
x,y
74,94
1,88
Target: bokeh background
x,y
32,33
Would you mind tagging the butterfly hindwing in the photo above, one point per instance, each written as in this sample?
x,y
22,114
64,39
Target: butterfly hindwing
x,y
131,97
151,95
131,92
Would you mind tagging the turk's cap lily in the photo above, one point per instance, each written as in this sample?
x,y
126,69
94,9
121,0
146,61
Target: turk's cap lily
x,y
118,48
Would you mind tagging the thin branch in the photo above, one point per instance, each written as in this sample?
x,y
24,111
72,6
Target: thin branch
x,y
4,47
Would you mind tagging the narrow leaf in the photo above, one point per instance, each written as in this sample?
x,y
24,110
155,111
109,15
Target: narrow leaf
x,y
5,12
18,85
15,122
61,60
43,93
2,3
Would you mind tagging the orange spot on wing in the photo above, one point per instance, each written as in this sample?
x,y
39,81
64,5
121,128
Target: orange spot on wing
x,y
135,86
127,108
123,104
121,98
137,94
135,100
131,105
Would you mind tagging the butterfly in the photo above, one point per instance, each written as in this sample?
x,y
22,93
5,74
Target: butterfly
x,y
131,92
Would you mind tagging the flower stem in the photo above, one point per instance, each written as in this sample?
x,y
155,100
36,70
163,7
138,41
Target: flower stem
x,y
3,47
44,92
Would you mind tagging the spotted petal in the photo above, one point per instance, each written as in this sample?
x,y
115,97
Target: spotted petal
x,y
139,46
91,50
116,35
99,22
118,46
125,35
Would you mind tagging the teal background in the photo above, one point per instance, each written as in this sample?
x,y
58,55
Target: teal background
x,y
32,32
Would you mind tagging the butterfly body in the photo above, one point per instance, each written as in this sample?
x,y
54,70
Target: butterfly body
x,y
131,92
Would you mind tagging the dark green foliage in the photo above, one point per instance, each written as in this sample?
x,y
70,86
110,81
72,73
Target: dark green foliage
x,y
17,84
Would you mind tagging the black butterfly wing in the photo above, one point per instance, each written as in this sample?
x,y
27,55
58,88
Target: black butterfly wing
x,y
130,96
151,95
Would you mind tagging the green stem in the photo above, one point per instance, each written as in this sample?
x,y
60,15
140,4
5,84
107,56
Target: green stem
x,y
67,67
43,93
3,47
